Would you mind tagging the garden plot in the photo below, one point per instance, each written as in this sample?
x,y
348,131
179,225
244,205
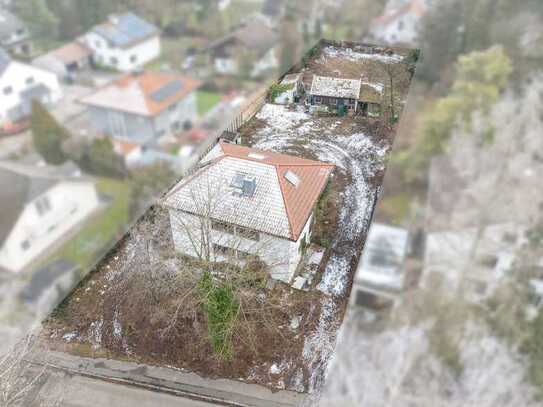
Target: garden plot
x,y
359,154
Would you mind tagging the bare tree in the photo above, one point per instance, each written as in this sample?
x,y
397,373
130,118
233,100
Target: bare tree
x,y
21,377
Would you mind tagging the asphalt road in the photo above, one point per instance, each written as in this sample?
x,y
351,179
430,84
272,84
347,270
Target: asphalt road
x,y
86,392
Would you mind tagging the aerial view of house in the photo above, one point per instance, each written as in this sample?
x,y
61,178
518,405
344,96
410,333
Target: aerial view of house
x,y
253,41
20,84
269,230
144,107
124,42
14,36
44,204
265,203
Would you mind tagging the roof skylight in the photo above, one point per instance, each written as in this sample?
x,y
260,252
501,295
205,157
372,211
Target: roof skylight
x,y
256,156
292,178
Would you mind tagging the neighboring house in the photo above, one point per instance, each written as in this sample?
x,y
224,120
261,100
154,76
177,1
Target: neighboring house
x,y
40,208
399,23
351,94
20,84
254,41
293,89
144,106
131,152
124,42
66,60
469,261
248,203
49,285
381,272
14,36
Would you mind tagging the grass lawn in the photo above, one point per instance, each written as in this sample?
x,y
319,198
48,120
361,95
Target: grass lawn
x,y
83,248
206,101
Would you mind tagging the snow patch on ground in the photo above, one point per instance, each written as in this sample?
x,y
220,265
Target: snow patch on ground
x,y
278,117
70,336
354,56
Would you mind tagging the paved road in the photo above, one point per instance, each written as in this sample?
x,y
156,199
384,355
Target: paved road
x,y
86,392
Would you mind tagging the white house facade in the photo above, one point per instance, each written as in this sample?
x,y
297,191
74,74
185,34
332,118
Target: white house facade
x,y
20,84
42,207
246,203
144,107
125,42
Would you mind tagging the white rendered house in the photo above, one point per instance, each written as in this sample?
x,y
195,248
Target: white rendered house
x,y
42,206
20,84
125,42
244,203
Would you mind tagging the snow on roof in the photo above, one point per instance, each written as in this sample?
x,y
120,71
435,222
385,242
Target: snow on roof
x,y
276,206
383,255
291,78
335,87
146,93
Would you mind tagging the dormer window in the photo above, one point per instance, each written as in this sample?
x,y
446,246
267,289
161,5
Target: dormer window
x,y
243,185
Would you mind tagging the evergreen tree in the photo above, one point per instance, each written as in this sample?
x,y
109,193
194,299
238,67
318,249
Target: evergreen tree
x,y
100,159
41,21
47,135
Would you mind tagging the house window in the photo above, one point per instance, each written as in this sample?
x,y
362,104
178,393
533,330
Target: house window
x,y
318,99
333,101
400,25
222,227
172,107
25,245
114,61
227,251
29,80
8,90
248,233
187,125
133,59
43,205
20,31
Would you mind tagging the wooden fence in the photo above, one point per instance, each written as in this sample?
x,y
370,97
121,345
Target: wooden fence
x,y
247,112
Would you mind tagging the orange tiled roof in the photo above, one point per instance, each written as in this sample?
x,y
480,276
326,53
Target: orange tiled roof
x,y
150,82
299,200
134,92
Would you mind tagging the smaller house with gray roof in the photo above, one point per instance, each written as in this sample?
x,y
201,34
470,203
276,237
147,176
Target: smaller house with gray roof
x,y
14,36
351,94
252,41
41,206
124,42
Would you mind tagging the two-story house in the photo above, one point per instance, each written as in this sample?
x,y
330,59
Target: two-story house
x,y
20,84
247,203
142,107
14,36
40,205
124,42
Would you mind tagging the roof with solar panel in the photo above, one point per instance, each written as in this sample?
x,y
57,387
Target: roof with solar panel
x,y
125,30
261,190
145,93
